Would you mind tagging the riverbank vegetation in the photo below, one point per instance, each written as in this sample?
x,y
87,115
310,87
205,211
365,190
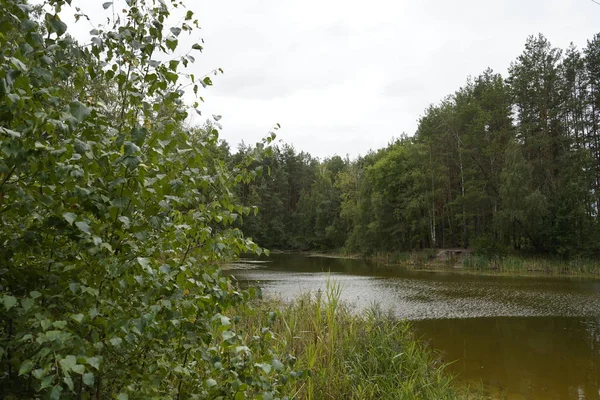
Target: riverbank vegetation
x,y
349,355
494,264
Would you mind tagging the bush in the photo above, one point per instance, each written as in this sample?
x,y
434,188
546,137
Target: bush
x,y
114,218
489,247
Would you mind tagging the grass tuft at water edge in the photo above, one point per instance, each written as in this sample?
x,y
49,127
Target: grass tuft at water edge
x,y
366,355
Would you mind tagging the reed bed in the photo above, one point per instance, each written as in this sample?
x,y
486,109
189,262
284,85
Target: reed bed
x,y
368,355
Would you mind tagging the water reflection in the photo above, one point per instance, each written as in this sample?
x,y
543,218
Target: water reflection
x,y
423,295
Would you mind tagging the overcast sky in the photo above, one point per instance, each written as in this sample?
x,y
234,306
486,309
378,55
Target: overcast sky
x,y
344,76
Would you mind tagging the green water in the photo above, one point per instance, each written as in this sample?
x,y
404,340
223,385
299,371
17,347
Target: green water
x,y
524,338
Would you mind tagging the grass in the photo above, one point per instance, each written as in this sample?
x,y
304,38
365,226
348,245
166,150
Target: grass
x,y
370,355
514,265
511,264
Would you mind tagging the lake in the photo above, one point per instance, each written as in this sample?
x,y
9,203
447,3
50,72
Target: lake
x,y
524,338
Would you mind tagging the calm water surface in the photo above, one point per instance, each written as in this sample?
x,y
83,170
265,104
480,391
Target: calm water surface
x,y
527,338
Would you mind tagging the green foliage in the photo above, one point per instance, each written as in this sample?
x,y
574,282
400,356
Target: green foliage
x,y
114,219
491,249
367,355
280,193
500,165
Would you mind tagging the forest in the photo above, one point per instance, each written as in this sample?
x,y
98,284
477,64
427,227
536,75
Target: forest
x,y
505,164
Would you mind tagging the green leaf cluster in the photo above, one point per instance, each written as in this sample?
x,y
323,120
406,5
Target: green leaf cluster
x,y
114,218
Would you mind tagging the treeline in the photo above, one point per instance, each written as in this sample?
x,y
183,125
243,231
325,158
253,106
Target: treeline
x,y
502,164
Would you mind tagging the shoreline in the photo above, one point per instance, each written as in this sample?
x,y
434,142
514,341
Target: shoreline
x,y
510,266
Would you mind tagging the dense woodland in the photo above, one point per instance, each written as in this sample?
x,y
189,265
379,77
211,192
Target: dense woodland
x,y
502,164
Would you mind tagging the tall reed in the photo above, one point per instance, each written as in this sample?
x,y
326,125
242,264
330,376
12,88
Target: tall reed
x,y
533,265
368,355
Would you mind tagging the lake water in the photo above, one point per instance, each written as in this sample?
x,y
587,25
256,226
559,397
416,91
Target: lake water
x,y
527,338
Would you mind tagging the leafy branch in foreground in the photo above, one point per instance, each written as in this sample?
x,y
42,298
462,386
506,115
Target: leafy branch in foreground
x,y
113,219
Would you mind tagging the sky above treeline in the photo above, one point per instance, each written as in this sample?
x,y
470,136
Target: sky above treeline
x,y
343,76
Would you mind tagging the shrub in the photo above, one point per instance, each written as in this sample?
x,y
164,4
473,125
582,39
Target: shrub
x,y
114,217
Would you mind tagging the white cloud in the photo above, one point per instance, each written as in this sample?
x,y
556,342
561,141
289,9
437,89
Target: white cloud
x,y
343,76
